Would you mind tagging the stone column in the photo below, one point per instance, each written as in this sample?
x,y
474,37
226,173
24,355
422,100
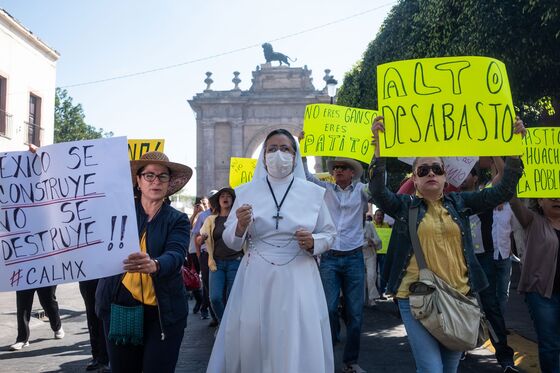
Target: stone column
x,y
237,138
207,161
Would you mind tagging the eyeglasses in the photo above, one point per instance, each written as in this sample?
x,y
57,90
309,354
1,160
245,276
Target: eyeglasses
x,y
282,148
342,167
150,177
424,170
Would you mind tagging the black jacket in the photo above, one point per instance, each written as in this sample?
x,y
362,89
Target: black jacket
x,y
459,206
167,239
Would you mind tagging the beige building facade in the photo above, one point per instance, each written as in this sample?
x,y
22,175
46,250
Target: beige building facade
x,y
27,87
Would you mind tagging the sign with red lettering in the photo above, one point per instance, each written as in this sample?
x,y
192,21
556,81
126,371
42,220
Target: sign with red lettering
x,y
66,213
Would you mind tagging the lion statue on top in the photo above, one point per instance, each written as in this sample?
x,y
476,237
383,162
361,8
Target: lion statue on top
x,y
270,55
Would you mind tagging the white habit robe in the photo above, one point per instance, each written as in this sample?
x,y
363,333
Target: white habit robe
x,y
276,318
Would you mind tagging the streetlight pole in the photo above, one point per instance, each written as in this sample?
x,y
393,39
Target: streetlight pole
x,y
331,88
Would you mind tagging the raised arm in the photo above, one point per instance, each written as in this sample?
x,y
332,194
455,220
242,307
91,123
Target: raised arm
x,y
381,196
523,214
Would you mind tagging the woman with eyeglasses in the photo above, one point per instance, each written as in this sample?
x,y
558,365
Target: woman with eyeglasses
x,y
276,318
152,276
444,234
540,274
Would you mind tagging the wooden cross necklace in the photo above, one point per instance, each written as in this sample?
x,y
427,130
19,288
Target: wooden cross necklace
x,y
278,206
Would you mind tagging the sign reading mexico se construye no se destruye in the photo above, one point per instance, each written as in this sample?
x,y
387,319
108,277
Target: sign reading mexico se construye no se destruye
x,y
66,213
448,106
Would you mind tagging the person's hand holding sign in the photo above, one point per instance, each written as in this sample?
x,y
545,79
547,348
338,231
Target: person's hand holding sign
x,y
140,263
519,127
375,128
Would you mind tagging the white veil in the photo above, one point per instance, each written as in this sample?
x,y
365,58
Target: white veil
x,y
261,173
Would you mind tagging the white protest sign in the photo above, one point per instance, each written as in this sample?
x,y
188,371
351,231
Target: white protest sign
x,y
456,168
66,213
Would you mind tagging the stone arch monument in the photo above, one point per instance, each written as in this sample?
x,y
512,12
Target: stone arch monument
x,y
234,123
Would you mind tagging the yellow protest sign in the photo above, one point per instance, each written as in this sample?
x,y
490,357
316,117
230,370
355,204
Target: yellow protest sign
x,y
335,130
449,106
241,170
385,235
138,147
541,158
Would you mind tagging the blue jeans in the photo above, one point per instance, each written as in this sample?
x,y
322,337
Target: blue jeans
x,y
546,318
429,355
346,273
492,307
503,279
221,281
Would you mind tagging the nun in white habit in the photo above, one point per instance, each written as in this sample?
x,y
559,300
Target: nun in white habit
x,y
276,318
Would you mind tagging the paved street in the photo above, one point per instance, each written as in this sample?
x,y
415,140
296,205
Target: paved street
x,y
384,344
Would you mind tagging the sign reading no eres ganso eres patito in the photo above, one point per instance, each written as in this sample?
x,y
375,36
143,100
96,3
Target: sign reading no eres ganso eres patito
x,y
449,106
334,130
66,213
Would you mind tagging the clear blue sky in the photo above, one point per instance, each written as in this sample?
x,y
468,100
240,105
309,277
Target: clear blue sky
x,y
100,39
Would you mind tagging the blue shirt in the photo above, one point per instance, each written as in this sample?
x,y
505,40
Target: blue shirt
x,y
347,208
196,229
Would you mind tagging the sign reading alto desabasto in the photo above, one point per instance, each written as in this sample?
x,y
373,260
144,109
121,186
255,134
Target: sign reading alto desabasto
x,y
448,106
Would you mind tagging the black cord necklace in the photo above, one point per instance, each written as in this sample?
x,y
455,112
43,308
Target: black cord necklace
x,y
278,206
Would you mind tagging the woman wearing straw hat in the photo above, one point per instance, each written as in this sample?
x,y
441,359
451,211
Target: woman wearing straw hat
x,y
152,278
223,262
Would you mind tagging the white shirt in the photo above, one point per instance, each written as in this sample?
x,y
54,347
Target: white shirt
x,y
501,230
476,234
347,208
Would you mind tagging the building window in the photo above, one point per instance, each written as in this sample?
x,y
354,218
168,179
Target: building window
x,y
34,123
3,114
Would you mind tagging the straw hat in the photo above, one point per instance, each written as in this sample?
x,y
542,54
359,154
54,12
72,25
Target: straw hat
x,y
356,166
180,174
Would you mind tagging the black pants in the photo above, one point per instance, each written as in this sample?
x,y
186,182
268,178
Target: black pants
x,y
95,325
24,303
194,260
491,308
154,355
205,272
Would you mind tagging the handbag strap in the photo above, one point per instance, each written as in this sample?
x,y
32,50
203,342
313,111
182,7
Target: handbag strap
x,y
413,232
421,260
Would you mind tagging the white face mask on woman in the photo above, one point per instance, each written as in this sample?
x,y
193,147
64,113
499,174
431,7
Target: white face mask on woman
x,y
279,164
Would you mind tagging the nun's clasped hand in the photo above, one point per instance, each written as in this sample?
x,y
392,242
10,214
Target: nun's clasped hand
x,y
305,239
244,216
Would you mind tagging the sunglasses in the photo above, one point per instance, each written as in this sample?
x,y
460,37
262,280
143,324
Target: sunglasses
x,y
342,167
424,170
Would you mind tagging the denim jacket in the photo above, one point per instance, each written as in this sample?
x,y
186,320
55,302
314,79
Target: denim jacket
x,y
167,238
460,206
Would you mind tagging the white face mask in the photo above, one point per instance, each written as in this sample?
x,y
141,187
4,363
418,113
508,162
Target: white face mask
x,y
279,164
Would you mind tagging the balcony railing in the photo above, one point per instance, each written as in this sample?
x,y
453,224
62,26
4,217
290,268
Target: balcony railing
x,y
5,124
34,134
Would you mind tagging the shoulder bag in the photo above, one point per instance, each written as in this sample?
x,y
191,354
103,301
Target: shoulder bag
x,y
126,323
191,279
454,319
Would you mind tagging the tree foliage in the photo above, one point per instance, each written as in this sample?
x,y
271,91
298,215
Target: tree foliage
x,y
524,34
69,121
